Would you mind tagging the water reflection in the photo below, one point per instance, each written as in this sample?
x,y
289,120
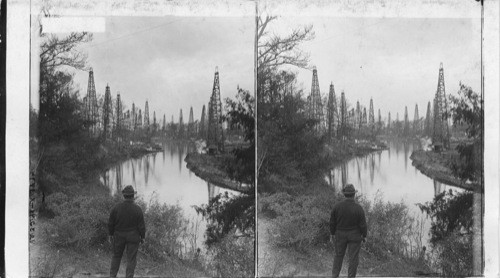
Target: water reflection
x,y
391,176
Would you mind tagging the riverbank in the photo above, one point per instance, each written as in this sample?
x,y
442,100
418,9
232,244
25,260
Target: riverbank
x,y
341,152
436,166
70,232
211,169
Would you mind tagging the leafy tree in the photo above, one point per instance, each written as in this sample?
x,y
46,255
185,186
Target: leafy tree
x,y
63,142
240,112
452,231
226,213
467,108
289,151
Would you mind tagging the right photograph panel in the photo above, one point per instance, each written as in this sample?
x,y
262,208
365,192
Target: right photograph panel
x,y
370,144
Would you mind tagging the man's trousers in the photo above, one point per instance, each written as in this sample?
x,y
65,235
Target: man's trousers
x,y
349,240
130,241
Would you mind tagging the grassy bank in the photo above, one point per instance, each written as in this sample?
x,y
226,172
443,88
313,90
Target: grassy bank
x,y
438,167
211,168
71,230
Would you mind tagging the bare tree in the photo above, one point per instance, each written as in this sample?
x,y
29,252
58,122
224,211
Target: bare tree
x,y
274,50
56,52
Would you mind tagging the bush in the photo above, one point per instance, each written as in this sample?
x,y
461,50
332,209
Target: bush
x,y
80,222
300,221
233,256
165,227
454,255
390,227
304,221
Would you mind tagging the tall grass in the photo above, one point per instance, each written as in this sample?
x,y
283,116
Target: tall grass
x,y
81,223
302,222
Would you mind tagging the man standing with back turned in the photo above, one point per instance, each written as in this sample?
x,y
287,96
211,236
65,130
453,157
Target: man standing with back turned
x,y
126,229
347,229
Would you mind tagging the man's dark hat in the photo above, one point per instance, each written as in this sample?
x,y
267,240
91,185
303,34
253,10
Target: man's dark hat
x,y
128,191
349,189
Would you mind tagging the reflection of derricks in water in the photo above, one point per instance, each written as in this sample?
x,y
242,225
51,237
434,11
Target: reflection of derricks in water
x,y
215,135
212,191
441,130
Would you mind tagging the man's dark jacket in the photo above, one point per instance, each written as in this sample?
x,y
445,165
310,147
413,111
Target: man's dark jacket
x,y
125,217
348,215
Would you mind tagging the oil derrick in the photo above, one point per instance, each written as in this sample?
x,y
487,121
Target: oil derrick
x,y
332,113
389,123
154,121
315,105
126,119
215,136
191,123
134,117
203,127
164,127
416,121
180,133
343,117
371,116
359,116
351,118
119,116
397,124
146,116
441,133
406,128
107,114
428,120
364,120
91,109
139,119
379,124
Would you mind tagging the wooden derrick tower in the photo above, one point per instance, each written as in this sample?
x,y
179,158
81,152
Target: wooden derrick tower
x,y
371,115
315,107
146,116
191,126
215,136
180,133
203,125
107,113
332,113
91,108
416,121
441,132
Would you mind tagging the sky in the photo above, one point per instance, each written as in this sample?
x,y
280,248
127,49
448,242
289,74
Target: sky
x,y
170,61
395,61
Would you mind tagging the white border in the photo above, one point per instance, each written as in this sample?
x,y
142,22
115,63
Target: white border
x,y
17,123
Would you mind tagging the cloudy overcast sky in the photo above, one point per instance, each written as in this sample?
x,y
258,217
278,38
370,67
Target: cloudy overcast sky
x,y
170,61
395,61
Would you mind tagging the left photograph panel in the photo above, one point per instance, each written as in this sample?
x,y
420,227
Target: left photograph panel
x,y
142,144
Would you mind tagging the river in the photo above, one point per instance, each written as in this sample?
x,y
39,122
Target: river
x,y
390,175
164,176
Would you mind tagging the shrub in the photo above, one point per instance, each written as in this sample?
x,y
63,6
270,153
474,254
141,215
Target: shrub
x,y
300,221
165,227
304,221
80,222
233,256
389,226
